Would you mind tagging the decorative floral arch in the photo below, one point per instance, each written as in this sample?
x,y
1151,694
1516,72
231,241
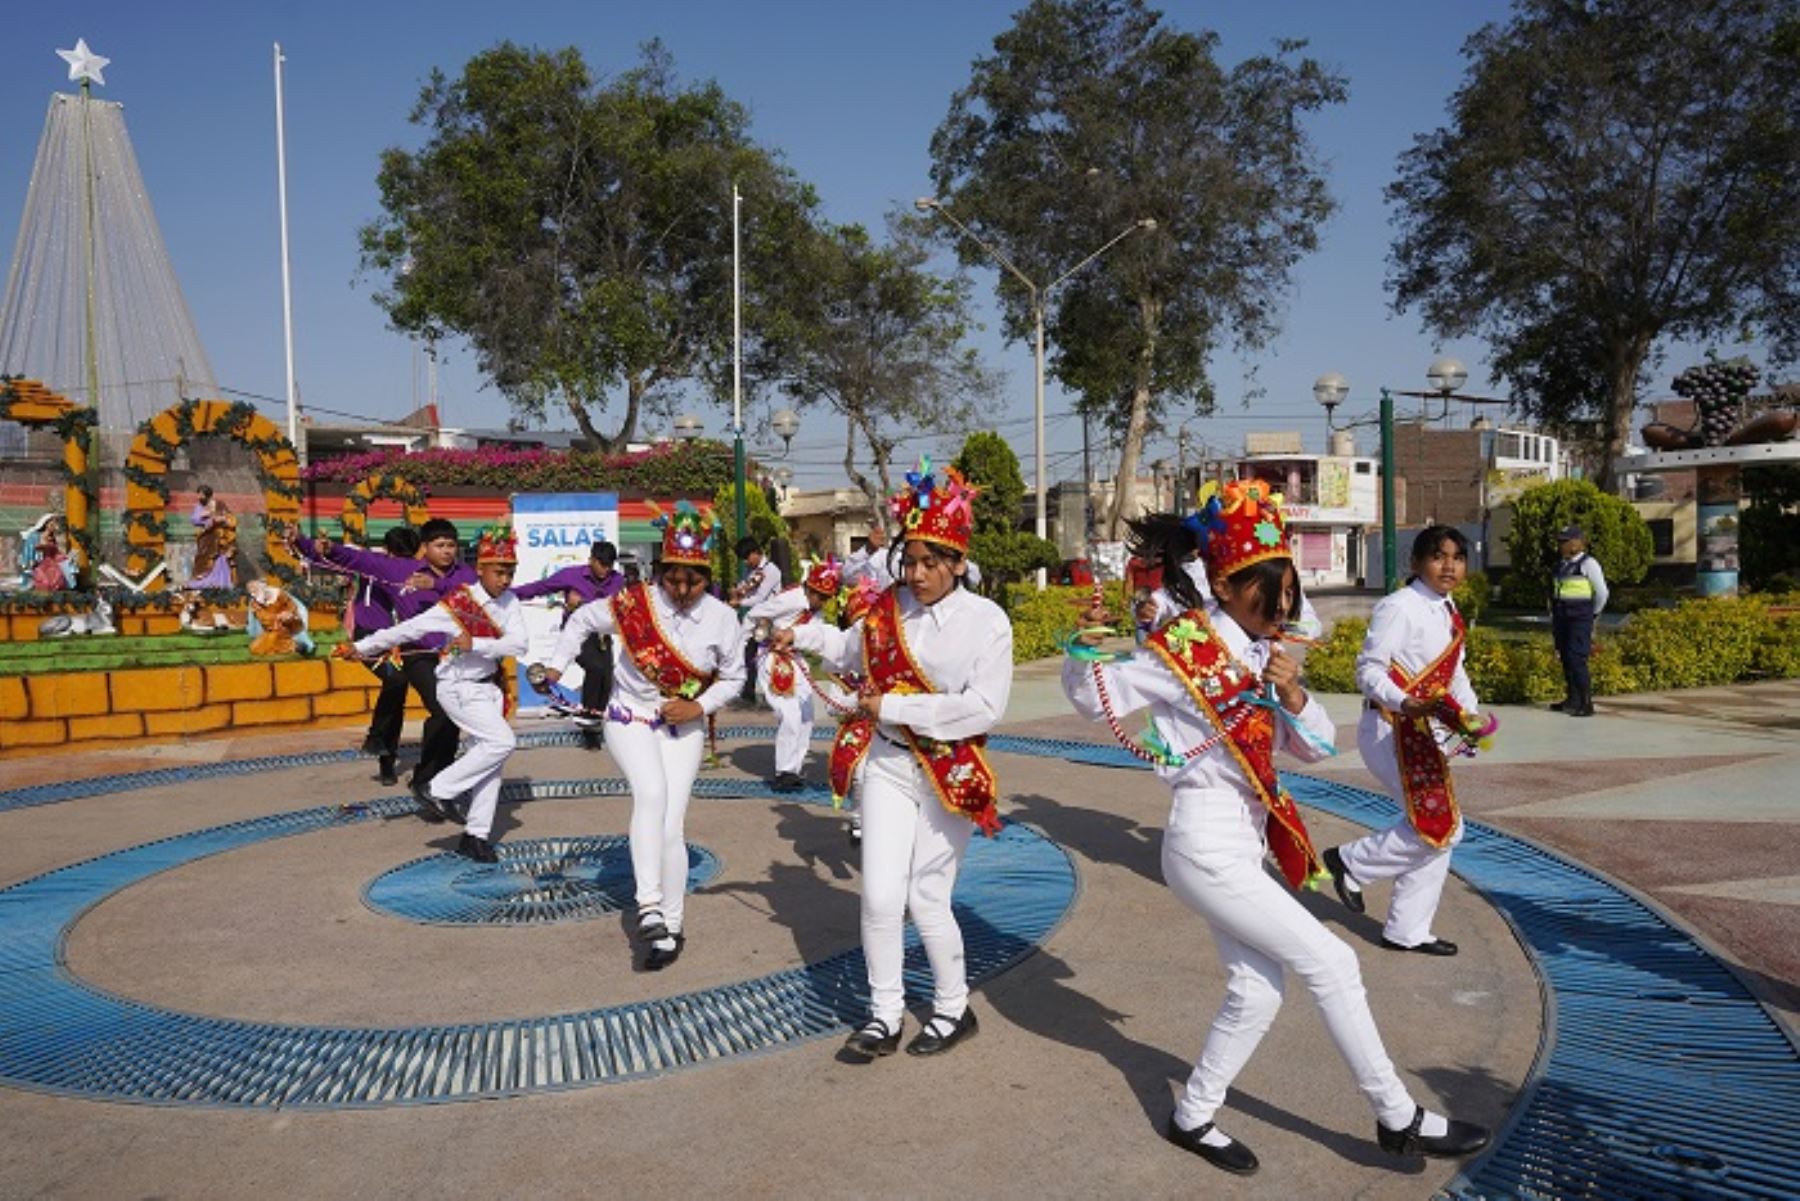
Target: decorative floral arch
x,y
30,403
147,491
381,484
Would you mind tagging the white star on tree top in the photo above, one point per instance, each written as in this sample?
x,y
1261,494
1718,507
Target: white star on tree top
x,y
84,63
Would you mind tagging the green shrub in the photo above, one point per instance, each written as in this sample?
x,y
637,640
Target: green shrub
x,y
1041,619
1472,597
1698,643
1331,666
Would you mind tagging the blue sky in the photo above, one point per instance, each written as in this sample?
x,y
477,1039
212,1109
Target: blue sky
x,y
849,93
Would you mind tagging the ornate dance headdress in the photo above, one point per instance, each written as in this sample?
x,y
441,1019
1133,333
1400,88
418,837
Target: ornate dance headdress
x,y
826,576
859,598
1239,525
935,513
687,536
498,545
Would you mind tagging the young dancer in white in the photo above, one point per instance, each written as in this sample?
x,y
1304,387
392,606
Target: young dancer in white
x,y
779,679
936,661
484,625
680,658
1212,680
1411,672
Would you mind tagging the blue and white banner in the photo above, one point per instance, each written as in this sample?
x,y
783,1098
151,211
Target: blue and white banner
x,y
555,530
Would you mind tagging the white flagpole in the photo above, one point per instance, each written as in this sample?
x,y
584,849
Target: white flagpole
x,y
287,287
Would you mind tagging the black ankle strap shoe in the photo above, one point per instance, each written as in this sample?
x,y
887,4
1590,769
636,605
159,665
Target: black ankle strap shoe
x,y
941,1033
1233,1157
1461,1138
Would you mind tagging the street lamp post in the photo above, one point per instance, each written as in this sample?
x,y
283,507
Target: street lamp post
x,y
1038,295
1445,375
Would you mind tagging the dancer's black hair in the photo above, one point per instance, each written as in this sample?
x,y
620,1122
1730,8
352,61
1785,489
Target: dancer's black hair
x,y
1166,539
401,541
437,528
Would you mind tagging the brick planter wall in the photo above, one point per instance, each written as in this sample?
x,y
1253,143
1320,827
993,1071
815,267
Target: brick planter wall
x,y
58,711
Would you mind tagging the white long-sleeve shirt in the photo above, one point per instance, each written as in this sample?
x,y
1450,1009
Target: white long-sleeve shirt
x,y
706,633
874,564
963,644
781,610
1410,627
482,659
1145,681
768,583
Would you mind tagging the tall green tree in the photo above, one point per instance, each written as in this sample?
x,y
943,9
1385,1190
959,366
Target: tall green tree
x,y
868,332
1614,174
578,234
1092,115
1005,552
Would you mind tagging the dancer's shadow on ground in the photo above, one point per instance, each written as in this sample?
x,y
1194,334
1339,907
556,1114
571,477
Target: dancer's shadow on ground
x,y
1039,996
822,918
1099,837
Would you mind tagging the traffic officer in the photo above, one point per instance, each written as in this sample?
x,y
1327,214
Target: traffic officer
x,y
1577,596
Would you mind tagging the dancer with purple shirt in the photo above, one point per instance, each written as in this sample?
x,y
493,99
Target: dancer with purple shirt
x,y
577,585
418,585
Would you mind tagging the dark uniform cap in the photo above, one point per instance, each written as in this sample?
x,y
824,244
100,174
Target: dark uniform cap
x,y
1570,533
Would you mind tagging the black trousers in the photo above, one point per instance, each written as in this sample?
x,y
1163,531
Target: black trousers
x,y
390,703
437,746
596,660
1572,626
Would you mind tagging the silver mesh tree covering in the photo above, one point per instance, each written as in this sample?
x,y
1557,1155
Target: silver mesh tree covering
x,y
86,185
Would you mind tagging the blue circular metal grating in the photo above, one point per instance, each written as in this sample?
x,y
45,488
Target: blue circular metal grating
x,y
537,881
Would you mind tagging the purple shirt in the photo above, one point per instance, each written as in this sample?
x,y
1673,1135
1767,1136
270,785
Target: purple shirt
x,y
394,572
577,579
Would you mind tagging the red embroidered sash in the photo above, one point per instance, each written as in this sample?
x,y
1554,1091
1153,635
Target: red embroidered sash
x,y
958,769
851,746
1193,650
475,621
651,648
1424,772
782,673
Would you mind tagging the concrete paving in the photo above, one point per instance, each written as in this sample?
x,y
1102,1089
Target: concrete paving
x,y
1082,1044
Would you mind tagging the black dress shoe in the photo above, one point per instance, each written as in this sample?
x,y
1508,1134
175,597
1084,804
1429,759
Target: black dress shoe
x,y
1437,946
592,740
1233,1157
430,808
388,774
651,927
478,849
787,781
661,957
372,746
1462,1138
941,1033
1583,711
1334,863
873,1040
1561,706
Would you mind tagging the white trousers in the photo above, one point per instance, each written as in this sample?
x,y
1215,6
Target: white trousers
x,y
911,849
795,714
1417,868
477,708
1212,859
661,772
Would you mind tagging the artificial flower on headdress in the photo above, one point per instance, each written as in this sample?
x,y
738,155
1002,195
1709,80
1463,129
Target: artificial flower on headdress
x,y
686,535
931,512
857,599
1243,525
498,544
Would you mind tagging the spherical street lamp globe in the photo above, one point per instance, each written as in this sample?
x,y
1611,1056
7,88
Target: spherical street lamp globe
x,y
1330,390
1446,375
687,427
785,423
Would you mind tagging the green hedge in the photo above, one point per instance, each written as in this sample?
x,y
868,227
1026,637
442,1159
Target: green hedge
x,y
1040,619
1693,645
